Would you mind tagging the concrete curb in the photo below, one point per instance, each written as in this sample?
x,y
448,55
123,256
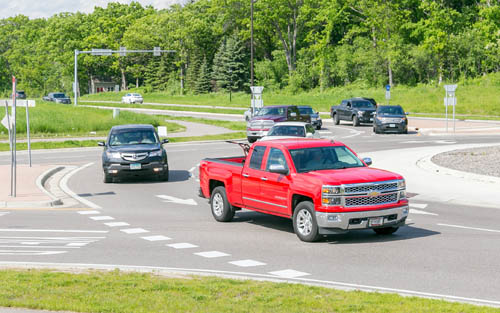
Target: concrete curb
x,y
427,164
40,182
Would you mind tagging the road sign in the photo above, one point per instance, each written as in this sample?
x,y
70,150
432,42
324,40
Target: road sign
x,y
101,52
123,51
22,103
388,87
162,131
5,121
156,51
387,94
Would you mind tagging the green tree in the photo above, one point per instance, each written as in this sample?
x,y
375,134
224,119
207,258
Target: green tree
x,y
230,69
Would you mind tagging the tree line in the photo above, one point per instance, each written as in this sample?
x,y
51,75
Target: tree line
x,y
298,45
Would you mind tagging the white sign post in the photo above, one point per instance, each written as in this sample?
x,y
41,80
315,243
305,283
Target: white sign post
x,y
388,93
13,135
162,131
450,99
256,101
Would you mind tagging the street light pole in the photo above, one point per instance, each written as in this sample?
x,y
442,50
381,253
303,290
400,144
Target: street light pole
x,y
251,42
75,87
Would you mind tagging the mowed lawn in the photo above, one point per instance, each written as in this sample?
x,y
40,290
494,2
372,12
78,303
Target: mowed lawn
x,y
135,292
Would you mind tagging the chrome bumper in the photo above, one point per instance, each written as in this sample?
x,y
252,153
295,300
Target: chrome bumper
x,y
256,133
341,222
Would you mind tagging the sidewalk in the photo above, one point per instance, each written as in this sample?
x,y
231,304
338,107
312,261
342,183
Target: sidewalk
x,y
437,126
29,193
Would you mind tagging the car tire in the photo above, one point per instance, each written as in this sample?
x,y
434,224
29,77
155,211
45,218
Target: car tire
x,y
164,177
251,140
318,127
304,222
385,230
355,120
336,119
107,178
220,207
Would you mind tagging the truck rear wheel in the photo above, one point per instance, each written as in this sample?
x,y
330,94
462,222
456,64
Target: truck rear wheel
x,y
221,208
304,222
385,230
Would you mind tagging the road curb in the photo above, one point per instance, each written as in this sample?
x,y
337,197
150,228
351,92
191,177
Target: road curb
x,y
42,179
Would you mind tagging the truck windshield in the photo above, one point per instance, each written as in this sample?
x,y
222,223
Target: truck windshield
x,y
132,137
363,104
271,111
288,130
390,110
59,95
324,158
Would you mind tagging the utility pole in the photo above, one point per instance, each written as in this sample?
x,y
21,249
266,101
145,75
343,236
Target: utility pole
x,y
251,42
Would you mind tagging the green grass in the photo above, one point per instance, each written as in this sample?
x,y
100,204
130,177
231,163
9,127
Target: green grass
x,y
479,96
134,292
49,119
164,107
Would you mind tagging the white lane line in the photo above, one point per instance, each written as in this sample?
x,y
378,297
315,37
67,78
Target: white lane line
x,y
30,243
156,238
64,186
77,244
40,247
177,200
89,212
4,213
418,205
182,245
211,254
134,230
29,252
101,218
415,211
289,273
116,224
471,228
192,169
52,230
247,263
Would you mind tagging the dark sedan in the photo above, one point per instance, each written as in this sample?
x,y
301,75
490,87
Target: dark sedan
x,y
315,118
134,151
390,118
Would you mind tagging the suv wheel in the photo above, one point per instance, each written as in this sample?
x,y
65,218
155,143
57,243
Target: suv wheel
x,y
221,208
164,176
336,119
251,140
107,178
304,222
355,120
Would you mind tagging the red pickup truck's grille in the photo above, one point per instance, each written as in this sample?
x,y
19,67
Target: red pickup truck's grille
x,y
367,200
371,187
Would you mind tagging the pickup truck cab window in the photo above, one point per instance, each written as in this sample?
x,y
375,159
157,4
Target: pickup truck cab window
x,y
324,158
363,104
276,157
271,111
257,156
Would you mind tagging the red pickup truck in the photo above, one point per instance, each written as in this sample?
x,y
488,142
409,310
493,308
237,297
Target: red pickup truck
x,y
322,185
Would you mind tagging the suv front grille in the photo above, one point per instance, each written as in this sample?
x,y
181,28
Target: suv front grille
x,y
134,156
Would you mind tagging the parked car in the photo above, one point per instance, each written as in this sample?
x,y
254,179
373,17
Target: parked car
x,y
321,185
20,94
390,118
315,118
132,98
259,125
248,113
57,97
357,110
291,130
132,151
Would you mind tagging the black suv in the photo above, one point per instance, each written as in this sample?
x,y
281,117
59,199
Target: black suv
x,y
390,118
133,151
57,97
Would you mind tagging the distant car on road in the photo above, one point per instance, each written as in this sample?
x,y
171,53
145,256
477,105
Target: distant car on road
x,y
357,110
315,118
132,98
291,130
132,151
57,97
20,94
390,118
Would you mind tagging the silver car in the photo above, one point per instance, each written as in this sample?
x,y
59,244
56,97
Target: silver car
x,y
291,130
132,98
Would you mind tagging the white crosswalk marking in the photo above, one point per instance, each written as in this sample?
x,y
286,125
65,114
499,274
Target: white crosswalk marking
x,y
418,205
182,245
116,224
134,230
156,238
247,263
177,200
289,273
44,245
415,211
4,213
88,212
211,254
102,218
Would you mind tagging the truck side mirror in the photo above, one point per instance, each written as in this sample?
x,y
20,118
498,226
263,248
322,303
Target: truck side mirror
x,y
368,161
101,143
278,168
164,141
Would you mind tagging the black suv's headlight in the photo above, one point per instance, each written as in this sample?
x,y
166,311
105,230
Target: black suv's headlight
x,y
156,153
113,155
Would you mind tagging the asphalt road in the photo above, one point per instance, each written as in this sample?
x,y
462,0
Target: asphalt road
x,y
446,250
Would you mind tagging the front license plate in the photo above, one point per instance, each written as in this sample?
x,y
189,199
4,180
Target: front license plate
x,y
371,119
392,125
376,221
135,166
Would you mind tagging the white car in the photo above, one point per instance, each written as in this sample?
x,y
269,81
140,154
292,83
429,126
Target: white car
x,y
291,130
132,98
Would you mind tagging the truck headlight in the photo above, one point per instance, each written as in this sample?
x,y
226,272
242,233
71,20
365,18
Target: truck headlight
x,y
155,153
331,195
401,184
113,155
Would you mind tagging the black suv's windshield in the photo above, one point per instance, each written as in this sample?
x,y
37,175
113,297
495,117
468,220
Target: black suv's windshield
x,y
132,137
306,111
271,111
59,95
390,110
324,158
363,104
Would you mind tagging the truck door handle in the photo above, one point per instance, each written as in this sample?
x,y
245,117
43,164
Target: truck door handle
x,y
263,178
245,175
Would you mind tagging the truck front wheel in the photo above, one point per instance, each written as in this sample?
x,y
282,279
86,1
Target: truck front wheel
x,y
355,120
385,230
221,208
336,119
304,222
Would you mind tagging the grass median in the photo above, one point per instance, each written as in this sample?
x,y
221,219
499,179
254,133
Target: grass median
x,y
135,292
